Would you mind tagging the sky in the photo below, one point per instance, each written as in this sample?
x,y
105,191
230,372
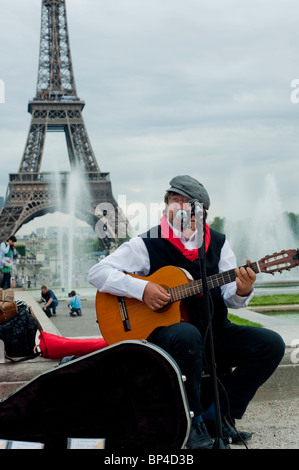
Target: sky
x,y
200,87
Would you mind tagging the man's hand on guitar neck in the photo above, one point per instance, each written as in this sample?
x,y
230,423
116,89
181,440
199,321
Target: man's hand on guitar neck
x,y
245,280
155,296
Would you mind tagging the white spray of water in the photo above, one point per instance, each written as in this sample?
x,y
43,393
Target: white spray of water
x,y
76,194
57,188
73,194
264,231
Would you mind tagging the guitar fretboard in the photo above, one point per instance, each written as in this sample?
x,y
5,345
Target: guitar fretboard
x,y
192,288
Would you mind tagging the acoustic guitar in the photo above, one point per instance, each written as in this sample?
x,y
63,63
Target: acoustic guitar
x,y
123,318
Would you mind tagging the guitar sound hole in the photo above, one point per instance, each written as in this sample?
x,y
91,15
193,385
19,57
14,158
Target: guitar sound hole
x,y
163,309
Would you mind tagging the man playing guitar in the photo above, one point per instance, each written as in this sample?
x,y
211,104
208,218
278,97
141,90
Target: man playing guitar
x,y
253,352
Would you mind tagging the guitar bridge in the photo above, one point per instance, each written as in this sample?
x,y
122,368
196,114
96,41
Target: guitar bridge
x,y
124,314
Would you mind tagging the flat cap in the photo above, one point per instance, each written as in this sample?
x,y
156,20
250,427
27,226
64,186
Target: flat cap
x,y
190,187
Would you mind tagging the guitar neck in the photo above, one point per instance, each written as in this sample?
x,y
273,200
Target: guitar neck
x,y
192,288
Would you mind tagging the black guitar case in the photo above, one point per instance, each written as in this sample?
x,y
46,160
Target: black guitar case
x,y
131,394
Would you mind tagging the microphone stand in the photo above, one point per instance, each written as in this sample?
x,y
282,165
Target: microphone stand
x,y
218,443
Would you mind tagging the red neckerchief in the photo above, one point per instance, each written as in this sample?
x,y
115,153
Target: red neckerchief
x,y
168,234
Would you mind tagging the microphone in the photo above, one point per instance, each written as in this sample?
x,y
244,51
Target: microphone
x,y
196,208
198,212
184,217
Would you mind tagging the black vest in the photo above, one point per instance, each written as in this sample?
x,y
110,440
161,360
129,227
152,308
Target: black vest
x,y
164,253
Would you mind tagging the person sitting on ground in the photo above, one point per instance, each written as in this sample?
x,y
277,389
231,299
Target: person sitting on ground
x,y
50,300
75,304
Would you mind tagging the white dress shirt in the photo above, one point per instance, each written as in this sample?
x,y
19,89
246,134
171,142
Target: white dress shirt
x,y
132,257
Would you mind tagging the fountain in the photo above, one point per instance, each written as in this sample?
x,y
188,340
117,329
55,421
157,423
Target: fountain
x,y
68,201
264,232
57,189
75,192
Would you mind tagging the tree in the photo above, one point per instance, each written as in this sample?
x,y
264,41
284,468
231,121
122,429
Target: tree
x,y
293,220
218,224
21,249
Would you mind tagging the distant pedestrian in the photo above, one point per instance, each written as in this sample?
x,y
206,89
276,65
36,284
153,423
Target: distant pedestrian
x,y
74,304
7,253
50,300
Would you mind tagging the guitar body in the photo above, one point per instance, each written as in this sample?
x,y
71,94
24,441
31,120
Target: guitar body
x,y
141,319
123,318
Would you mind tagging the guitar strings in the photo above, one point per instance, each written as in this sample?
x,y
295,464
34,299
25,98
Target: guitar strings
x,y
195,287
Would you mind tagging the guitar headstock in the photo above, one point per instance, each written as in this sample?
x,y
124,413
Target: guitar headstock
x,y
278,262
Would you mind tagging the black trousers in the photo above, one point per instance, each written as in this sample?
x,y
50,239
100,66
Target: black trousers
x,y
6,281
254,353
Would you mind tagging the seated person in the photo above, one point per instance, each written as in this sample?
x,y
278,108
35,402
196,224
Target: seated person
x,y
50,300
256,352
75,304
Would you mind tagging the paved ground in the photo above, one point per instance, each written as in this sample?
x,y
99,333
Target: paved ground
x,y
274,422
77,326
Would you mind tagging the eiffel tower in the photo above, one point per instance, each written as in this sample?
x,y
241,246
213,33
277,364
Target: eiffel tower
x,y
57,108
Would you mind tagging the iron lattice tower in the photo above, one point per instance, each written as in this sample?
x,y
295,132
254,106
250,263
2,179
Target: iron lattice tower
x,y
57,108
